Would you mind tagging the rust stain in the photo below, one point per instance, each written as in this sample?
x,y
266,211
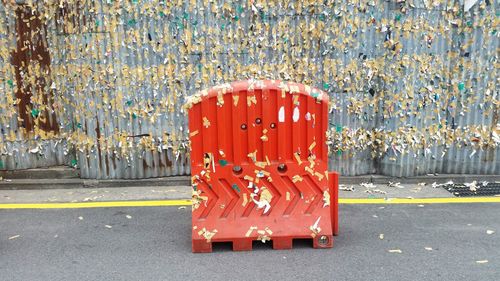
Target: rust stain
x,y
98,142
32,53
168,162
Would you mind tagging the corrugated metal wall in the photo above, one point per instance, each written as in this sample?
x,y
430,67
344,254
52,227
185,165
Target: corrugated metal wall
x,y
414,83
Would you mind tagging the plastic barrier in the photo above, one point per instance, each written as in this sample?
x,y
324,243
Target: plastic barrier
x,y
259,166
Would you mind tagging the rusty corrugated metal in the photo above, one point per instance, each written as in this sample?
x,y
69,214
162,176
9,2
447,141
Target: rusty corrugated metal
x,y
410,81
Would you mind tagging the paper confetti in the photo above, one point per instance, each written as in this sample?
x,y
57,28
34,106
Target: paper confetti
x,y
101,73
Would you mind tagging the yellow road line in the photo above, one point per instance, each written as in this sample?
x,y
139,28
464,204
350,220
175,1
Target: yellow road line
x,y
452,200
163,203
104,204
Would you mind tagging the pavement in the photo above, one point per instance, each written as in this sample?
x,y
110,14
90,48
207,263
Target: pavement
x,y
100,194
433,242
378,240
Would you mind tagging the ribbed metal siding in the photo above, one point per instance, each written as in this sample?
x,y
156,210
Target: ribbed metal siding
x,y
220,59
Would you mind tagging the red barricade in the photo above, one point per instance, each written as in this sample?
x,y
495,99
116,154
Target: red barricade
x,y
259,166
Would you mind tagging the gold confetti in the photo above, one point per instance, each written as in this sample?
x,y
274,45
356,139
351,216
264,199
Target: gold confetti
x,y
297,158
296,178
206,122
326,198
235,100
250,230
245,200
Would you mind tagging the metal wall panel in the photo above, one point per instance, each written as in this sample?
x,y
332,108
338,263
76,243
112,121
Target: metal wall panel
x,y
414,84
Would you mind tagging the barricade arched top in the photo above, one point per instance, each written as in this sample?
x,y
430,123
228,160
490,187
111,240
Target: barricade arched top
x,y
251,85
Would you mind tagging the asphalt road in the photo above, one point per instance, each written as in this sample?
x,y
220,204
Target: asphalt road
x,y
153,243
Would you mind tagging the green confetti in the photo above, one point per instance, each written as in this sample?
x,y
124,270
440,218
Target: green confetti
x,y
223,162
97,23
132,22
339,152
326,86
1,164
262,15
11,84
398,17
338,128
322,17
162,14
235,187
129,102
35,112
236,18
134,116
74,163
461,86
79,125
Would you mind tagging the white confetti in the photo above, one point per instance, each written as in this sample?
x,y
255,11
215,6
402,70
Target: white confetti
x,y
296,114
397,251
281,114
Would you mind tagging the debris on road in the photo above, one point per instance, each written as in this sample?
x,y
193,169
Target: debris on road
x,y
372,191
381,236
128,217
108,226
395,184
436,185
472,186
428,248
490,231
80,218
367,185
346,188
397,251
14,237
482,261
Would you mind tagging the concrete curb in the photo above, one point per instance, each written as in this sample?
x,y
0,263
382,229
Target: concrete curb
x,y
71,183
27,184
57,172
